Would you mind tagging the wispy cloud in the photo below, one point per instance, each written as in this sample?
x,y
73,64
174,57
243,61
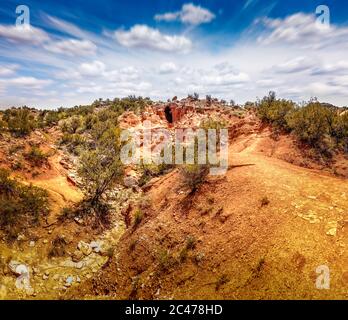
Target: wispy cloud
x,y
142,36
249,3
189,14
27,34
72,47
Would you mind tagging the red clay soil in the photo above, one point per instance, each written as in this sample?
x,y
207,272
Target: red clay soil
x,y
258,232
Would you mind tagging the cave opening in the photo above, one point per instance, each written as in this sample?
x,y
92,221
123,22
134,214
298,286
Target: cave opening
x,y
168,114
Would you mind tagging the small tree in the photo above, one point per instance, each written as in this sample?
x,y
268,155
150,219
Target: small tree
x,y
310,123
19,121
101,168
3,125
74,123
194,175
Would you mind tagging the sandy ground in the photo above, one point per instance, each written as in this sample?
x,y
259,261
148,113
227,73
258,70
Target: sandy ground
x,y
244,249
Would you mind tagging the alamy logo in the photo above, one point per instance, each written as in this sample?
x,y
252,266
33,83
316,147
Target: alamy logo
x,y
23,18
323,278
323,20
184,146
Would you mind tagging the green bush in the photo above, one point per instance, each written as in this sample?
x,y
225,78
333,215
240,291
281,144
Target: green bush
x,y
3,125
73,142
317,124
194,175
310,123
21,206
100,167
58,248
19,121
51,118
138,217
340,130
36,156
274,110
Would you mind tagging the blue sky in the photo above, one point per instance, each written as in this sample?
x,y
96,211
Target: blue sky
x,y
77,51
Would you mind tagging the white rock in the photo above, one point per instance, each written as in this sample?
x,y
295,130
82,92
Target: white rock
x,y
69,281
96,247
84,248
332,232
23,279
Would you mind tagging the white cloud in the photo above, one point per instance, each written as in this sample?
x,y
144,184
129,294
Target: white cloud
x,y
142,36
167,67
8,70
26,82
336,68
65,26
72,47
124,74
95,68
189,14
302,30
225,79
28,34
298,64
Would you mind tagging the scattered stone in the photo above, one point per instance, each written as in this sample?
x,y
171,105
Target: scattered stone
x,y
35,270
32,243
23,279
96,247
45,241
21,237
332,232
130,182
332,226
77,256
69,281
45,277
84,248
78,220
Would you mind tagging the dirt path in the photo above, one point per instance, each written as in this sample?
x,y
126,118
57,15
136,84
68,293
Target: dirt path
x,y
310,209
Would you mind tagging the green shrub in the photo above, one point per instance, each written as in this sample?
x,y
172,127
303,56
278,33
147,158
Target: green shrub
x,y
194,175
138,217
189,245
223,279
274,110
264,201
73,142
20,121
310,123
149,171
3,125
58,247
51,118
36,156
21,206
166,260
